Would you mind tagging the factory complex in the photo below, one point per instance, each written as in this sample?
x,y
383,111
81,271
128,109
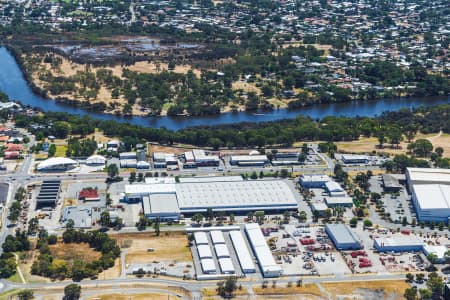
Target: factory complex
x,y
167,200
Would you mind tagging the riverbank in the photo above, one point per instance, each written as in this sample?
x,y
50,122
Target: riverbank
x,y
13,83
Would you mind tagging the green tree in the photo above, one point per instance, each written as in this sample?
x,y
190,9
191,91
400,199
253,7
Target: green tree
x,y
367,223
410,294
105,219
227,287
51,150
353,222
25,295
72,292
198,217
112,170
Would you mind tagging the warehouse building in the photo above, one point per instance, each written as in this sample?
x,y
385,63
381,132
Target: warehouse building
x,y
353,159
226,265
390,183
201,159
267,264
334,189
56,164
342,237
221,250
48,194
314,181
398,244
200,238
249,160
339,201
204,251
427,176
217,237
432,202
170,200
208,266
243,254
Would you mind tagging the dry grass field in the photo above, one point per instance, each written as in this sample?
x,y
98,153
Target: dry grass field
x,y
306,289
384,289
71,252
141,296
170,247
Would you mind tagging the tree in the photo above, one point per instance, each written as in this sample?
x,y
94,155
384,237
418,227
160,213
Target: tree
x,y
436,285
409,277
25,295
112,170
72,292
51,150
410,294
105,219
421,148
353,222
198,217
227,287
439,151
367,223
156,226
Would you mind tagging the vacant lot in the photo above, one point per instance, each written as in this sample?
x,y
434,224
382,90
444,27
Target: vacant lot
x,y
71,252
143,296
367,145
171,246
382,289
306,289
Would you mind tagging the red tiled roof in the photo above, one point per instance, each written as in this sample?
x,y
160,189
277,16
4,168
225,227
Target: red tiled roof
x,y
13,147
88,194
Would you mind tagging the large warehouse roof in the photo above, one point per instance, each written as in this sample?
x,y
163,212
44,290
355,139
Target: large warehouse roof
x,y
429,175
149,188
201,238
432,196
204,251
210,179
217,237
342,234
222,250
55,162
234,194
244,257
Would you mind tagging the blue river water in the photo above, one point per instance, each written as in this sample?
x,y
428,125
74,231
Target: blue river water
x,y
13,83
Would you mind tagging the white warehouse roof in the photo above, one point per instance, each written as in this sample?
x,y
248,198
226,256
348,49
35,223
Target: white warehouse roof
x,y
201,238
235,195
96,159
429,175
432,196
333,186
217,237
222,250
209,179
244,257
55,162
226,265
204,251
208,265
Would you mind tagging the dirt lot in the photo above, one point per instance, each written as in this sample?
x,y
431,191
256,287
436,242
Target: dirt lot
x,y
386,289
169,245
306,289
144,296
70,252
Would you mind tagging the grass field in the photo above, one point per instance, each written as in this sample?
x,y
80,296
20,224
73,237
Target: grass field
x,y
61,150
70,252
170,247
367,289
306,289
143,296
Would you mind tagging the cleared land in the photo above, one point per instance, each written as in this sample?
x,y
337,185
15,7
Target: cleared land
x,y
71,252
170,246
306,289
367,145
383,289
124,296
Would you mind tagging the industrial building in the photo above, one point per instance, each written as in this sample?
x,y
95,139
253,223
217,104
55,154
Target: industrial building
x,y
243,254
169,200
200,238
96,160
334,189
398,244
217,237
353,159
249,160
285,158
199,158
432,202
226,265
162,160
342,237
56,164
48,194
314,181
208,266
339,201
221,250
267,264
427,176
390,183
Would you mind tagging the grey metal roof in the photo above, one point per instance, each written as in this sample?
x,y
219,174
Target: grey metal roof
x,y
342,234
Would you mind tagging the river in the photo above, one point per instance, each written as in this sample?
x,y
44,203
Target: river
x,y
13,83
